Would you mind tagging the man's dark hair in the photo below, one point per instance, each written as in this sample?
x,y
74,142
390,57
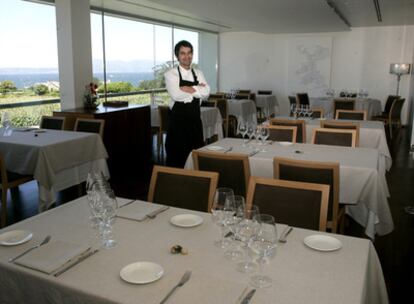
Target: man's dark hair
x,y
179,45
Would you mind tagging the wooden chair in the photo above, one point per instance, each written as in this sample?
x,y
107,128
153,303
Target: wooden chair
x,y
264,92
233,169
324,136
52,123
8,181
283,133
227,119
90,125
319,173
334,124
181,188
387,108
344,104
163,115
302,98
299,123
217,95
298,204
211,103
292,101
318,113
394,118
351,114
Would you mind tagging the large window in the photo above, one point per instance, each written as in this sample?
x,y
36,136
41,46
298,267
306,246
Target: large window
x,y
28,58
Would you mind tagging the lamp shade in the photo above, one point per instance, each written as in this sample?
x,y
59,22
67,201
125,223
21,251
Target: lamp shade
x,y
400,68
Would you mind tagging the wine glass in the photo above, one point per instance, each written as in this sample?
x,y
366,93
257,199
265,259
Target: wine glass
x,y
264,132
264,245
250,130
234,253
242,129
107,214
222,202
245,230
258,133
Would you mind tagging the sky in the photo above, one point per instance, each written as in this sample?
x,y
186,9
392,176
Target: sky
x,y
28,37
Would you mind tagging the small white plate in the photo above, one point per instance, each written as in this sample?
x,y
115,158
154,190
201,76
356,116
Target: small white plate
x,y
141,272
285,143
186,220
322,242
15,237
214,148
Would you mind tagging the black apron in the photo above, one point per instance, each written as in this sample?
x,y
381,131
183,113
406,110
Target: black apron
x,y
185,130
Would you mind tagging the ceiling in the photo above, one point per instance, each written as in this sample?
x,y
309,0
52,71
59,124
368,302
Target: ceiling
x,y
267,16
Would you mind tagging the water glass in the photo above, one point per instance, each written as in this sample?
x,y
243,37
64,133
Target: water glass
x,y
223,200
231,222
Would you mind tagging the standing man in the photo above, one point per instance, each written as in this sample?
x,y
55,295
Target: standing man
x,y
186,87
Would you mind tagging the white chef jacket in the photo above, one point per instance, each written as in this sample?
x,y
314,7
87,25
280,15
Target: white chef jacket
x,y
172,81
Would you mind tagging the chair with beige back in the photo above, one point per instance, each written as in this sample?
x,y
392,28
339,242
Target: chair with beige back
x,y
264,92
351,114
181,188
283,133
334,137
233,169
298,204
343,104
342,125
318,113
90,125
299,123
8,181
314,172
52,123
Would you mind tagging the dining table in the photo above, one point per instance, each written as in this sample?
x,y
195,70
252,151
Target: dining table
x,y
211,120
268,102
371,134
371,105
363,187
243,110
301,273
56,159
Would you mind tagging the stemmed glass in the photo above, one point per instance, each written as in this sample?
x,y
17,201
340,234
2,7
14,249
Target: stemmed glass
x,y
310,113
264,245
242,129
258,133
267,114
5,120
231,222
264,133
245,230
223,203
251,130
106,215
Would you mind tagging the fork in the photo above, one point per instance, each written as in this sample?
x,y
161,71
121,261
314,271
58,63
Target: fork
x,y
46,240
184,279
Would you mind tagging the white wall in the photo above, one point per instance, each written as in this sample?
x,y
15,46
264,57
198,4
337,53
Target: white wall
x,y
360,60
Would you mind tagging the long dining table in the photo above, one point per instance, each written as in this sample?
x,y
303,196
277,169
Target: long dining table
x,y
56,159
363,186
300,274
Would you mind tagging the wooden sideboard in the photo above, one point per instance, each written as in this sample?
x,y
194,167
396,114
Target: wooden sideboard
x,y
127,138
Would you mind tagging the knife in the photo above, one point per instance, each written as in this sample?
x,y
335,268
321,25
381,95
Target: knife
x,y
248,297
156,212
80,259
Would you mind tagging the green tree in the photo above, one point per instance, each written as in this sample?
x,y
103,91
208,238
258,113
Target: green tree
x,y
40,89
7,86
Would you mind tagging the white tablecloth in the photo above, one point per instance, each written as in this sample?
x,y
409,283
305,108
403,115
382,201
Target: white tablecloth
x,y
242,109
371,135
362,177
268,101
371,105
352,274
210,118
56,159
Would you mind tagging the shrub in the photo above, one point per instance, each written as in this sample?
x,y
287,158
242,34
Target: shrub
x,y
7,86
40,89
116,87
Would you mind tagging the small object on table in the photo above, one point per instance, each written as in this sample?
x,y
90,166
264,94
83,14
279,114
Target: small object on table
x,y
115,103
177,249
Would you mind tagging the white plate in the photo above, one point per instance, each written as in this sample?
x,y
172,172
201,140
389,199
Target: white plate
x,y
186,220
285,143
141,272
15,237
322,242
214,148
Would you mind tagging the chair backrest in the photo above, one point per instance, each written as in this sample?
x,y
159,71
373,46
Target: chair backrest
x,y
216,96
312,172
395,112
51,122
318,113
233,169
221,104
334,137
388,103
163,115
342,125
90,125
242,96
297,204
211,103
244,91
344,104
183,188
303,98
351,114
299,123
264,92
292,100
283,133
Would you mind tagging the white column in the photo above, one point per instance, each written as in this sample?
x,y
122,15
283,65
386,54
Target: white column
x,y
74,49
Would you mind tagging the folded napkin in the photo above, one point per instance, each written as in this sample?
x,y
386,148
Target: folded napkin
x,y
137,210
52,256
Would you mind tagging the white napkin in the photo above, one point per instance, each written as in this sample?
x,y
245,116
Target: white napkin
x,y
52,256
137,210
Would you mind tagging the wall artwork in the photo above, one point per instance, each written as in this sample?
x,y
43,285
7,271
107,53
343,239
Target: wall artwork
x,y
309,65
